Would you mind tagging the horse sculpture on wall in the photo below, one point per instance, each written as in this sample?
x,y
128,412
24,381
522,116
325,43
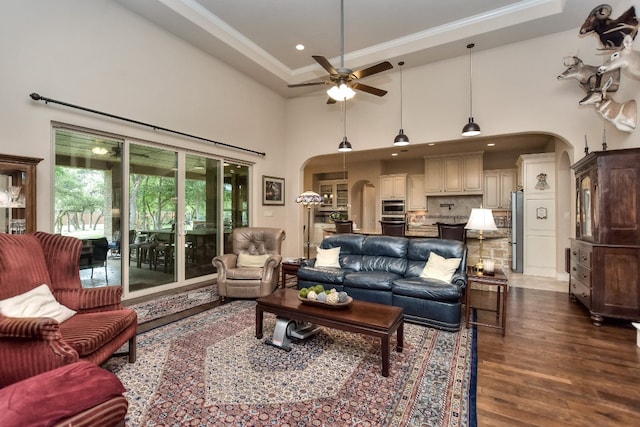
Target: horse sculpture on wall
x,y
622,115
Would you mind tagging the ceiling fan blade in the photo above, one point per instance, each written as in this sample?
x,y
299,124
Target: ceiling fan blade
x,y
370,89
331,101
378,68
324,62
308,84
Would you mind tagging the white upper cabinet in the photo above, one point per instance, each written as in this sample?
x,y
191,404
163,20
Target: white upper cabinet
x,y
453,174
498,185
393,186
416,200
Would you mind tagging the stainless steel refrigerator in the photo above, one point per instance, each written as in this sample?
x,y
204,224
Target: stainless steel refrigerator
x,y
517,231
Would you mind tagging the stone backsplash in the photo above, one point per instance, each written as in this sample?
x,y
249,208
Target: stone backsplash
x,y
453,209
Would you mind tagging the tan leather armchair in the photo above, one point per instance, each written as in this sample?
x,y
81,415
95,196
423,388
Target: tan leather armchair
x,y
253,269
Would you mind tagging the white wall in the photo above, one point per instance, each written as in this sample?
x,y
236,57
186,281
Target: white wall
x,y
515,90
99,55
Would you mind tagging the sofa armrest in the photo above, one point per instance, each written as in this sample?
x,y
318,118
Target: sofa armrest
x,y
41,328
460,280
225,262
29,346
271,267
87,300
308,262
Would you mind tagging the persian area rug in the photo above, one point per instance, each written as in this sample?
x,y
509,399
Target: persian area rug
x,y
210,370
170,304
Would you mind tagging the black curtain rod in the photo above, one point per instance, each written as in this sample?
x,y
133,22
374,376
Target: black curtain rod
x,y
37,97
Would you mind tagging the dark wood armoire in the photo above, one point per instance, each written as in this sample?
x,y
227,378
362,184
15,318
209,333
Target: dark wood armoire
x,y
605,254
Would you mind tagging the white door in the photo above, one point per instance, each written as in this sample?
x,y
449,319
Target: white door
x,y
368,207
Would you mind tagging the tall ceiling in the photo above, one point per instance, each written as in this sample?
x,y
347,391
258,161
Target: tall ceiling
x,y
258,37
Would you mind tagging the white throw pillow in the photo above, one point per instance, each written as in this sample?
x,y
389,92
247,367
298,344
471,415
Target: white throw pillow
x,y
246,260
328,257
38,302
440,268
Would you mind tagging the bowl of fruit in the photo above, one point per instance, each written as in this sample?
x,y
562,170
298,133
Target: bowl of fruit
x,y
317,295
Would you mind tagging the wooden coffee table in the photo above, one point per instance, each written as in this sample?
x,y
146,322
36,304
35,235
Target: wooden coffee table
x,y
368,318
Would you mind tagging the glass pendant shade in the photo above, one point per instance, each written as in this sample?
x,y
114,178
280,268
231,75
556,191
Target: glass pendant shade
x,y
345,145
471,128
401,139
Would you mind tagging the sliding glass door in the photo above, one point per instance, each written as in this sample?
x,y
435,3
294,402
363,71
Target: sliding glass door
x,y
164,213
152,216
201,214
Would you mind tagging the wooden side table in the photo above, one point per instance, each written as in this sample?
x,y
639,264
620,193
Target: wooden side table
x,y
289,268
502,283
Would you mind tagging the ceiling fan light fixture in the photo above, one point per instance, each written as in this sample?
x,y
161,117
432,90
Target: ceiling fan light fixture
x,y
341,92
471,128
345,145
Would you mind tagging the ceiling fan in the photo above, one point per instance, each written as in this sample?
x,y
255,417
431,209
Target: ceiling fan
x,y
342,79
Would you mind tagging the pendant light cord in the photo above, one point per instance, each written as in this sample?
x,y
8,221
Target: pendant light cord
x,y
342,33
401,97
470,46
344,122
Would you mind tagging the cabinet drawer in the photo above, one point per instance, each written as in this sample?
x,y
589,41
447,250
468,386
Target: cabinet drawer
x,y
584,257
582,292
583,274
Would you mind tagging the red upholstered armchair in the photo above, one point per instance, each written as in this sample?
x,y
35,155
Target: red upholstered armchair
x,y
29,346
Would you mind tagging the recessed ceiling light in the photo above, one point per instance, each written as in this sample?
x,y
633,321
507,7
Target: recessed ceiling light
x,y
394,154
300,47
432,143
491,144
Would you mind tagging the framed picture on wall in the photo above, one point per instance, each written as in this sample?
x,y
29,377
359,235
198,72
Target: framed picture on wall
x,y
272,190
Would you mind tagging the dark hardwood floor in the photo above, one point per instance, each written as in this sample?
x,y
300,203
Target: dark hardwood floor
x,y
553,367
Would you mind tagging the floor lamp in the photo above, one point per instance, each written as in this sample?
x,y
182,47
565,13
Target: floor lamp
x,y
481,220
309,199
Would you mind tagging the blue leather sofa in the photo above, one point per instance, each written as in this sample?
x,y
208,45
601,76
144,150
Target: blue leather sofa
x,y
386,269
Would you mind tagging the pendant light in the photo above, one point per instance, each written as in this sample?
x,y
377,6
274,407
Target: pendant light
x,y
345,145
401,139
471,128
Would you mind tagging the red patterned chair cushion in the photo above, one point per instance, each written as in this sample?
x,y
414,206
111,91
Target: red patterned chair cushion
x,y
62,393
105,326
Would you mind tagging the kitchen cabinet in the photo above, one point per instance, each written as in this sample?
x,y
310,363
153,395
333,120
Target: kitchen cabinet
x,y
453,174
393,186
416,200
498,185
605,254
335,195
18,194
